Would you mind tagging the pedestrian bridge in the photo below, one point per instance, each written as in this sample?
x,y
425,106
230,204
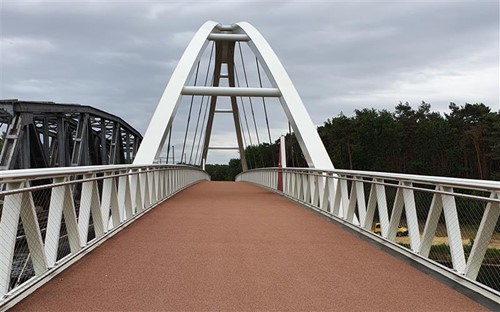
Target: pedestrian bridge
x,y
147,236
237,246
172,240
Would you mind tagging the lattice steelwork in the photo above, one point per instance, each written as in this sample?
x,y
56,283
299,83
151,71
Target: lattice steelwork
x,y
46,134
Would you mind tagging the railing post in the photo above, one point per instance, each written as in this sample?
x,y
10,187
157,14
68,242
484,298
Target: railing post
x,y
397,210
360,198
110,202
124,196
61,202
8,231
370,209
144,180
33,234
344,195
90,204
382,207
431,223
411,217
453,229
307,187
483,237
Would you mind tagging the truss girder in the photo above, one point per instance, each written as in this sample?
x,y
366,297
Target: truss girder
x,y
41,135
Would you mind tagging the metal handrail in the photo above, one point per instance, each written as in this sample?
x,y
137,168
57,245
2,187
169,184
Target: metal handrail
x,y
487,185
451,223
43,173
40,203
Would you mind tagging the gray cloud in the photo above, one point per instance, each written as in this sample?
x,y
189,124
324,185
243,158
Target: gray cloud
x,y
118,55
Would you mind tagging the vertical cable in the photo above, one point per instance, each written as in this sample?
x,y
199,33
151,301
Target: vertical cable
x,y
243,134
249,98
201,106
189,115
202,127
246,122
243,106
265,113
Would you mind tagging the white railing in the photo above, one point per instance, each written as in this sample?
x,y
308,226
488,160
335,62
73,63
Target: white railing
x,y
50,216
450,225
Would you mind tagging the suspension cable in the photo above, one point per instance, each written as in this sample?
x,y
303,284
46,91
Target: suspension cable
x,y
243,106
265,113
243,134
202,135
249,98
201,106
203,126
189,115
251,103
238,104
246,121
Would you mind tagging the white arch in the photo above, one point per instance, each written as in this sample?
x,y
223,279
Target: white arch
x,y
305,131
160,123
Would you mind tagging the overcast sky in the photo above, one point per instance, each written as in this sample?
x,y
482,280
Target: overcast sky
x,y
341,55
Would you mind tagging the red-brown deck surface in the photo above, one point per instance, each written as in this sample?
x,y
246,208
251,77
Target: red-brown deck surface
x,y
234,246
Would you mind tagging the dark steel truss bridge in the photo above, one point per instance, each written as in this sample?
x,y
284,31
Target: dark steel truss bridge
x,y
47,134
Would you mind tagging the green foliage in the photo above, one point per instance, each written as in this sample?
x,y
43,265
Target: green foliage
x,y
263,155
224,172
218,172
465,142
234,168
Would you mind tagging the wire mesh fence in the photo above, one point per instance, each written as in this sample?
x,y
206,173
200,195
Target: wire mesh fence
x,y
454,223
47,216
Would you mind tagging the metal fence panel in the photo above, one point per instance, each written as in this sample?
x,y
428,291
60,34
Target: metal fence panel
x,y
453,224
48,216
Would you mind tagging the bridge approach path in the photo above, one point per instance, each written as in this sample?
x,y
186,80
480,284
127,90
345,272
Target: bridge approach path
x,y
235,246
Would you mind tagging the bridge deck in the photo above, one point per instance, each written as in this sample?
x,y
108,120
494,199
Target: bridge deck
x,y
234,246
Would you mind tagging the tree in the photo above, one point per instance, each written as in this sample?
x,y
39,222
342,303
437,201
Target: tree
x,y
470,121
463,143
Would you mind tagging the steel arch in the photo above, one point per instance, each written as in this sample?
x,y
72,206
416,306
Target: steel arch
x,y
308,138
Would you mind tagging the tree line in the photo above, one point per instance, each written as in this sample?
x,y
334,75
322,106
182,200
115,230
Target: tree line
x,y
463,142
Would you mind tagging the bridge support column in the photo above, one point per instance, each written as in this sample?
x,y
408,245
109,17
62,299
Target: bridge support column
x,y
224,54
